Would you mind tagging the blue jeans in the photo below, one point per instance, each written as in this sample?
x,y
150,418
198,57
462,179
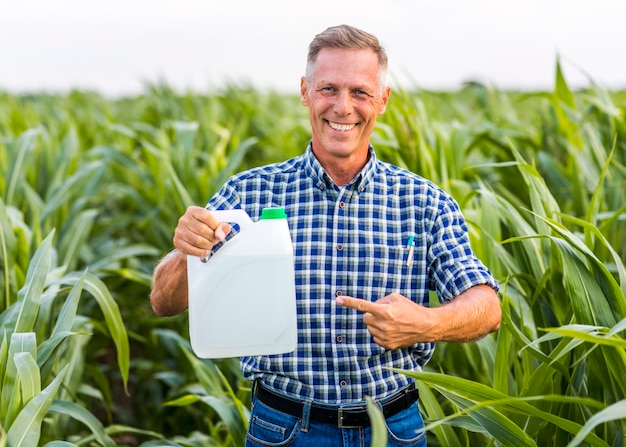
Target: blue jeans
x,y
269,427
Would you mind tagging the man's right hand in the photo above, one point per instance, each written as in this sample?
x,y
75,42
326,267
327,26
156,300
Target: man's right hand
x,y
198,231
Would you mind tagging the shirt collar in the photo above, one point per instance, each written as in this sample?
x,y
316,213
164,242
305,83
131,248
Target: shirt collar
x,y
322,180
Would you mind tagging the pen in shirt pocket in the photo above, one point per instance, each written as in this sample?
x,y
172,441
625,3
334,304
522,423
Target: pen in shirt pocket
x,y
410,244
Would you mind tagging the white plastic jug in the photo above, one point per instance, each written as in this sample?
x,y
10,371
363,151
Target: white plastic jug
x,y
242,301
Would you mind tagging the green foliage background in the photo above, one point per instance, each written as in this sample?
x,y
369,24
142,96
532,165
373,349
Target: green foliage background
x,y
92,188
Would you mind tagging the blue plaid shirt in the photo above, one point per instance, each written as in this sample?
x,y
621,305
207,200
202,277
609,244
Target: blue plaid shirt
x,y
352,240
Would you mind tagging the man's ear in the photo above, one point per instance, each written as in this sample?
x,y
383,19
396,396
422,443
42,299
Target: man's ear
x,y
304,97
385,99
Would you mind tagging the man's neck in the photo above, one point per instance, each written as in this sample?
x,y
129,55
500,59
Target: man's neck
x,y
343,170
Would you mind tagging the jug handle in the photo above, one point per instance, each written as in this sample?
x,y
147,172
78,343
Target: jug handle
x,y
237,216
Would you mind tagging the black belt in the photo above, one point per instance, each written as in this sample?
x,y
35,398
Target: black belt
x,y
342,417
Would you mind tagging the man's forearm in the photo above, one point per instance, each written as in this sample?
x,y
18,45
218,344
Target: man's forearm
x,y
470,316
169,285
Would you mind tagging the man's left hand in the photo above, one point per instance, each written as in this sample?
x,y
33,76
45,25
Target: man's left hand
x,y
394,321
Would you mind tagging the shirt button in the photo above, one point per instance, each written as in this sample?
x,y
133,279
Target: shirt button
x,y
342,204
339,338
343,383
339,247
338,293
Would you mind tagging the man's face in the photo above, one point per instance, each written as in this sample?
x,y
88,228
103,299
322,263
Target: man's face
x,y
344,101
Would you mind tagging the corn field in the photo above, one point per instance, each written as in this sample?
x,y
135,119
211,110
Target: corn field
x,y
92,188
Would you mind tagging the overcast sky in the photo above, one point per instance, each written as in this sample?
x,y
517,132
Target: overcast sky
x,y
116,46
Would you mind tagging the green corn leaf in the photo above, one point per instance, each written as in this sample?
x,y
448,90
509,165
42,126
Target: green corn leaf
x,y
432,408
493,422
593,301
588,299
35,281
66,319
466,392
541,199
111,257
69,151
206,372
565,104
67,315
243,412
71,187
24,145
116,429
596,198
11,399
379,428
82,415
184,143
235,159
615,257
224,408
111,313
73,355
597,335
8,244
503,347
4,356
60,444
526,344
163,443
183,401
182,195
613,412
48,347
75,236
28,375
23,342
26,429
224,402
562,90
612,360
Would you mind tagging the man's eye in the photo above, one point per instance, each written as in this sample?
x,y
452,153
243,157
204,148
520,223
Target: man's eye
x,y
361,94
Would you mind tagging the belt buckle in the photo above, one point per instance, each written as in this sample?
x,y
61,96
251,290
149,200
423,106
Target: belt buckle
x,y
340,416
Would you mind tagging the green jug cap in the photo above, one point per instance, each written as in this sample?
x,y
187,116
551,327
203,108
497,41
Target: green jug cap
x,y
273,213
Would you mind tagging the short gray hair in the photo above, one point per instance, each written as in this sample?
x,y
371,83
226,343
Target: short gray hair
x,y
349,37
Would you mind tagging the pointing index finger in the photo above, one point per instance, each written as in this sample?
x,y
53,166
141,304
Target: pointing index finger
x,y
357,303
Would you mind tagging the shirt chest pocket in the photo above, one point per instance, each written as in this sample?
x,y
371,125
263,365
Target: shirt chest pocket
x,y
384,259
383,270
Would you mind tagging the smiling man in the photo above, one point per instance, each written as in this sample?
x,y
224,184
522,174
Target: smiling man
x,y
363,298
345,96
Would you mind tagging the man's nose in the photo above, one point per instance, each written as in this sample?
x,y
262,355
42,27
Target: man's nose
x,y
343,102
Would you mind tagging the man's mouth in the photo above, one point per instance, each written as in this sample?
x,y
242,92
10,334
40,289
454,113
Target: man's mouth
x,y
341,127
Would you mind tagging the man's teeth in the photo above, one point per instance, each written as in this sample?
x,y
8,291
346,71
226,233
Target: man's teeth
x,y
341,127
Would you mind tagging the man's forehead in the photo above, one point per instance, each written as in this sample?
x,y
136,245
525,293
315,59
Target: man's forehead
x,y
358,67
